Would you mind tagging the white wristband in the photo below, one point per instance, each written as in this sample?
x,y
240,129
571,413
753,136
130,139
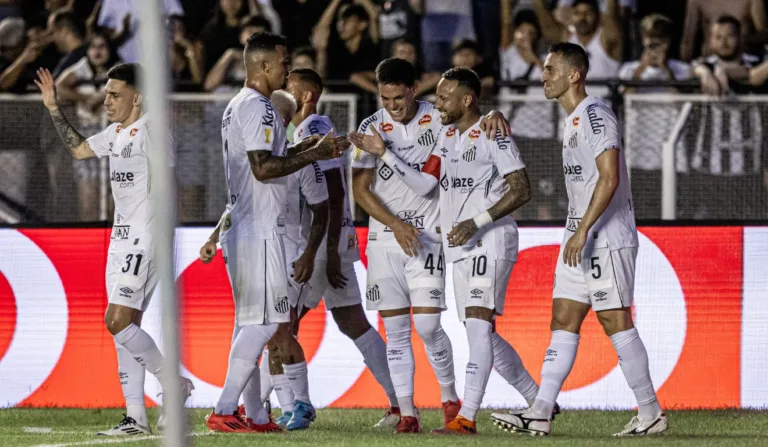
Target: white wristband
x,y
483,219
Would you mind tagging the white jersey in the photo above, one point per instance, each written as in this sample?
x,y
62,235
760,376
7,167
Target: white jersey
x,y
472,171
305,187
413,144
601,65
129,173
589,131
250,123
322,125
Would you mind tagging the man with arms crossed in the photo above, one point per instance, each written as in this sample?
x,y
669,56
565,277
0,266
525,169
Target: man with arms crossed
x,y
596,266
130,274
253,225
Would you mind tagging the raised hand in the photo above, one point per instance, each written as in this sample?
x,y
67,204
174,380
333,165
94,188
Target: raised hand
x,y
47,87
373,144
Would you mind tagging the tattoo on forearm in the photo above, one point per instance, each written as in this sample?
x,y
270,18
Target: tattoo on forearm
x,y
71,137
274,167
319,225
518,194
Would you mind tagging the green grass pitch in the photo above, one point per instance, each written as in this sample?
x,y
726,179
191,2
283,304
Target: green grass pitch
x,y
66,427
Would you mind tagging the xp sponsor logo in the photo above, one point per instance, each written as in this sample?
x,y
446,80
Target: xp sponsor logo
x,y
123,179
372,293
120,232
595,122
386,127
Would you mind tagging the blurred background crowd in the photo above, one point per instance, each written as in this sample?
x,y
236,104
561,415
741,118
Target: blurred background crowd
x,y
674,47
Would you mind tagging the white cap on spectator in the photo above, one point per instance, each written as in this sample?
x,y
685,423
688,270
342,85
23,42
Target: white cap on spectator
x,y
11,32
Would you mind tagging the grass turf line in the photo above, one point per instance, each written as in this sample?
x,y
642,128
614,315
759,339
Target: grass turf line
x,y
354,427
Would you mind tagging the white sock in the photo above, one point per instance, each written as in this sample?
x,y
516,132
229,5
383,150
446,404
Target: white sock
x,y
374,351
249,343
254,404
284,392
633,359
298,378
439,353
266,377
478,367
557,365
143,349
510,367
400,359
132,382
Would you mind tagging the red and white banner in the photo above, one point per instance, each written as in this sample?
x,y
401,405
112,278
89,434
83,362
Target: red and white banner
x,y
701,306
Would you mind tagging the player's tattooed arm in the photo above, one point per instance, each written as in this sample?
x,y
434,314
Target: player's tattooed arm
x,y
266,166
305,265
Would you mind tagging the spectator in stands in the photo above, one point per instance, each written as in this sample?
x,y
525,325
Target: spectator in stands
x,y
185,57
728,69
444,23
83,83
122,17
11,40
304,57
701,14
223,31
466,54
398,19
519,45
8,8
601,36
349,51
18,73
427,81
628,10
230,68
68,34
655,64
298,18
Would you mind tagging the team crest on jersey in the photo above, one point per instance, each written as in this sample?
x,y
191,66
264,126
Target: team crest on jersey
x,y
385,172
134,132
427,138
267,135
475,134
575,121
451,132
126,152
426,119
386,127
372,294
282,306
574,140
351,241
469,156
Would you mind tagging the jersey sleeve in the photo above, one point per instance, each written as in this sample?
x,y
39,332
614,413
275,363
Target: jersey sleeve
x,y
317,127
603,131
505,154
360,158
258,125
101,142
312,184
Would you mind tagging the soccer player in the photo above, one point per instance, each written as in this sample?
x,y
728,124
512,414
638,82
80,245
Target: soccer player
x,y
482,181
130,274
394,181
334,278
253,224
596,266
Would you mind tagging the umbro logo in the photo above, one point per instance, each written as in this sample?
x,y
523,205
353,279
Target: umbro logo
x,y
282,305
476,292
600,296
470,155
126,290
435,293
372,294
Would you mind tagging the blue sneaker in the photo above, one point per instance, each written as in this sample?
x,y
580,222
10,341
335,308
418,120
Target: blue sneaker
x,y
284,419
303,415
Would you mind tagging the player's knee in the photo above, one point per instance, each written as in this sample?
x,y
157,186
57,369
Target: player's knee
x,y
615,321
561,321
428,327
116,321
351,320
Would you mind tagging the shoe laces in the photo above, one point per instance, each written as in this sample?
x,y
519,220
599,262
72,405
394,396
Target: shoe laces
x,y
633,423
127,420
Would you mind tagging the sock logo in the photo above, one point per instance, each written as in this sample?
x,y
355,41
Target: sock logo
x,y
471,368
550,356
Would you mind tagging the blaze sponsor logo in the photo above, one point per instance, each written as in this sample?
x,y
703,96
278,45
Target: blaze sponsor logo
x,y
386,127
134,132
475,134
465,183
451,132
372,294
282,306
426,119
575,121
595,122
120,232
123,179
385,172
410,217
572,169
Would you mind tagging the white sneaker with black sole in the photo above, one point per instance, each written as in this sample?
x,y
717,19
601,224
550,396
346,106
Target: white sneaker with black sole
x,y
525,422
186,391
639,427
127,427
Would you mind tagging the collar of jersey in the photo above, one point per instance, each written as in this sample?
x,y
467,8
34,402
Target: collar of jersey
x,y
142,119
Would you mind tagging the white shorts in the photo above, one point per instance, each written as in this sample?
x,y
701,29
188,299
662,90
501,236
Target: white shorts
x,y
257,273
318,288
398,281
605,279
479,281
131,279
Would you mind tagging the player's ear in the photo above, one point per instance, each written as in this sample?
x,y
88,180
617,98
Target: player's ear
x,y
138,99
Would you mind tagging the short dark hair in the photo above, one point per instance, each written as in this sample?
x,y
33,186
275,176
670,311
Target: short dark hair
x,y
265,41
573,54
730,20
256,21
529,17
403,41
305,50
465,77
657,25
128,73
310,76
592,3
466,44
70,21
396,71
355,10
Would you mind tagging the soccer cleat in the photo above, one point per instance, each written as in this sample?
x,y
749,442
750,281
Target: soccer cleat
x,y
230,423
638,427
408,424
284,418
523,423
303,415
186,390
458,426
450,410
269,427
241,412
390,420
127,427
555,411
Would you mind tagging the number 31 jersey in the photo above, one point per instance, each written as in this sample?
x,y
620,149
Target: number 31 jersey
x,y
413,144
